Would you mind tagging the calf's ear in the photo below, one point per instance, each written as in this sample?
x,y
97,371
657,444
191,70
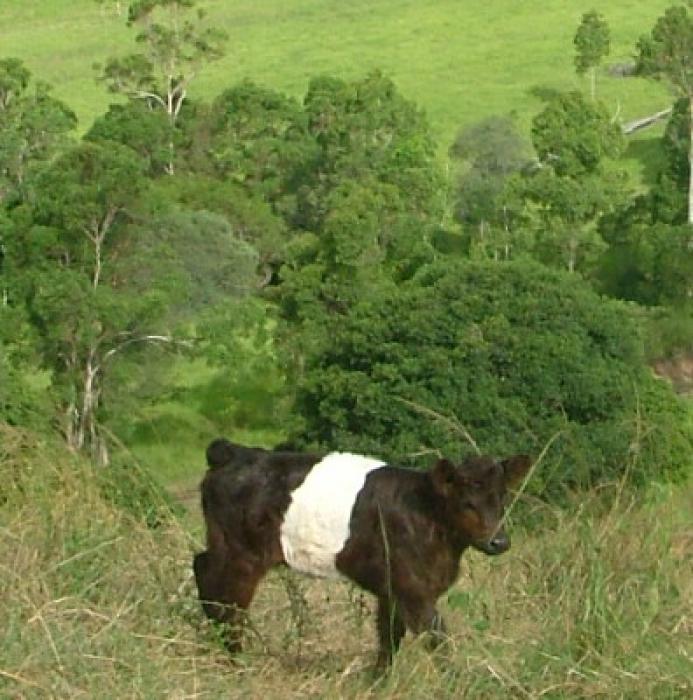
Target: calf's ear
x,y
515,469
443,476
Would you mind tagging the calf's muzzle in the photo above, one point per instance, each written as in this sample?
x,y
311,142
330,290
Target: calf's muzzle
x,y
499,543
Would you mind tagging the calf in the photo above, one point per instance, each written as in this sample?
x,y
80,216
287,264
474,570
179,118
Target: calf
x,y
398,533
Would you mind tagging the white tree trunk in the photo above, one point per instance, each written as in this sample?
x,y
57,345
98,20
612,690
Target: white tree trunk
x,y
85,418
593,82
572,254
690,160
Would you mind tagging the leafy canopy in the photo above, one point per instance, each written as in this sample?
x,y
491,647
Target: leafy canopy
x,y
592,41
493,346
33,125
667,52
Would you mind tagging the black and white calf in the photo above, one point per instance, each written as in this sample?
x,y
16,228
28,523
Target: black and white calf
x,y
398,533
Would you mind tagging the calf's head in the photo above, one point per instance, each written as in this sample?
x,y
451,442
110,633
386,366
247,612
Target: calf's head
x,y
472,497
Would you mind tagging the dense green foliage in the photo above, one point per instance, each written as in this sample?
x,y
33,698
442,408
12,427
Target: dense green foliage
x,y
508,355
666,53
33,125
269,242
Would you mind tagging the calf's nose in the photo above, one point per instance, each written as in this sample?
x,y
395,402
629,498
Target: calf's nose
x,y
499,543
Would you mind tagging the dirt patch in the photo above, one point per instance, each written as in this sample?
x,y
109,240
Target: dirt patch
x,y
678,370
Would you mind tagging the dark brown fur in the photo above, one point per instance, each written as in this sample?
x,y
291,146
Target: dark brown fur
x,y
408,530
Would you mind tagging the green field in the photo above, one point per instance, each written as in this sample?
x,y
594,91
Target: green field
x,y
459,61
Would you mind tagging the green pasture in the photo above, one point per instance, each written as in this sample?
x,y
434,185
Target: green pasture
x,y
460,61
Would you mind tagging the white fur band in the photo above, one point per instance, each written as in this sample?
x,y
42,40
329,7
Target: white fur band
x,y
316,523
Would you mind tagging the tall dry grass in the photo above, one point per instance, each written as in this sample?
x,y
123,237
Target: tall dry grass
x,y
592,601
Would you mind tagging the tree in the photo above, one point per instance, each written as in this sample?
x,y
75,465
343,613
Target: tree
x,y
367,239
174,50
666,53
564,214
650,263
14,80
64,254
218,265
592,43
367,207
491,153
259,139
33,125
366,128
667,198
145,130
650,244
570,190
250,216
104,280
487,351
573,137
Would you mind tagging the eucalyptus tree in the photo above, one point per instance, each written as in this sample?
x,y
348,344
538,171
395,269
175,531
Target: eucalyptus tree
x,y
34,125
667,53
592,43
67,255
175,48
490,154
569,189
106,274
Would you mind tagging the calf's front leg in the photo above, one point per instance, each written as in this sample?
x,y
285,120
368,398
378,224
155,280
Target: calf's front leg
x,y
422,617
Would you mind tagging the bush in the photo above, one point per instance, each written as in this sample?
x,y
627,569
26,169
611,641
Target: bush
x,y
513,354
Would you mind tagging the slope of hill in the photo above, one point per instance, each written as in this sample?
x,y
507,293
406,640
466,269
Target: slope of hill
x,y
459,61
590,602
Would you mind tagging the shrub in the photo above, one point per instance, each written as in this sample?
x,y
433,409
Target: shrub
x,y
512,353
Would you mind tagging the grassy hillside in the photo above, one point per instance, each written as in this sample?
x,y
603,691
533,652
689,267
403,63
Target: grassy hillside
x,y
591,602
460,61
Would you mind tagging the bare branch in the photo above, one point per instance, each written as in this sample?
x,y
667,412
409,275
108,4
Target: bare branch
x,y
644,122
167,339
146,95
